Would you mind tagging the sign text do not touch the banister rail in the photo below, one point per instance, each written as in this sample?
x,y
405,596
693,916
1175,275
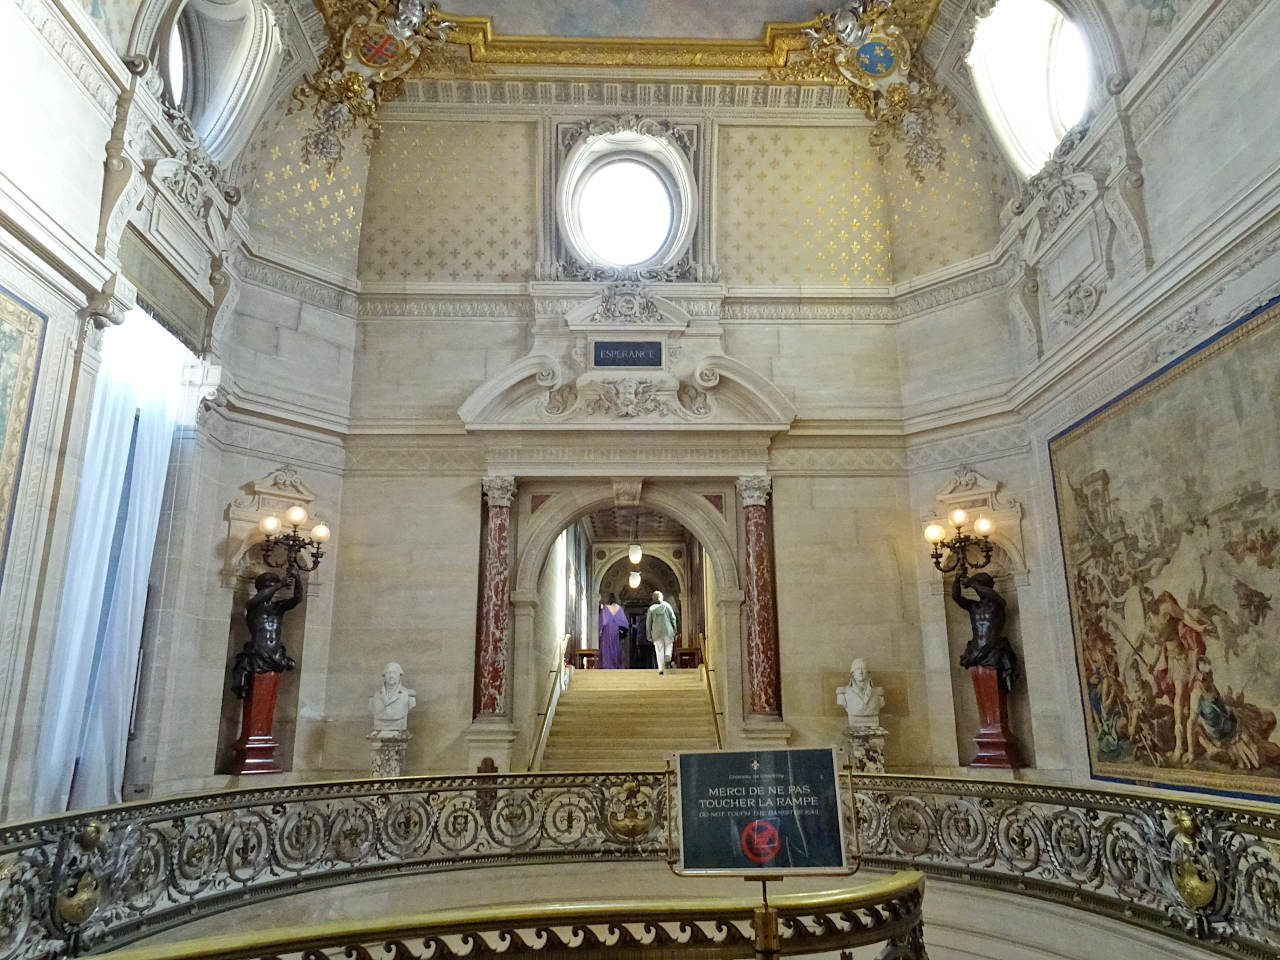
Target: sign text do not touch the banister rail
x,y
760,812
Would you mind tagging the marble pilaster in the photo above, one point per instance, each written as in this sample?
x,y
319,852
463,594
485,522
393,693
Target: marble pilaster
x,y
764,688
493,646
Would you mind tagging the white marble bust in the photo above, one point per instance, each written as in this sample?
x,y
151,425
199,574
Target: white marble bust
x,y
859,698
391,702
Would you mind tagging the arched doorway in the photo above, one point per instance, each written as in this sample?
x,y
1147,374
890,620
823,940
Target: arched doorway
x,y
546,510
654,574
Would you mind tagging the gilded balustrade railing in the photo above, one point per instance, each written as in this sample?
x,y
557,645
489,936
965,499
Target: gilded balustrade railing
x,y
888,911
1199,871
1205,872
90,882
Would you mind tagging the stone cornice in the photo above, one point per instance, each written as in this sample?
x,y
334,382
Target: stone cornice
x,y
837,460
305,287
432,307
77,52
1198,41
404,457
607,91
833,305
1180,303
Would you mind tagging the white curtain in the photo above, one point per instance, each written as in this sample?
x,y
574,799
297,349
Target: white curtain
x,y
89,693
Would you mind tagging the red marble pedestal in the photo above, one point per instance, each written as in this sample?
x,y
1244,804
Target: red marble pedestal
x,y
996,746
256,748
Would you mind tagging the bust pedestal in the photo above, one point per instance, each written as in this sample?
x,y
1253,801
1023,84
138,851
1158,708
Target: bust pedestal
x,y
996,746
865,746
386,749
255,751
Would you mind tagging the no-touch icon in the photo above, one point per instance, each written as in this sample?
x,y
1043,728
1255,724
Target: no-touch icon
x,y
760,841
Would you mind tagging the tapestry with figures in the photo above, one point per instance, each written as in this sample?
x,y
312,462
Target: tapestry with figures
x,y
1169,512
21,330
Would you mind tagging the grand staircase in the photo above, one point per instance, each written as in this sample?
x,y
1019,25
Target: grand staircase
x,y
629,720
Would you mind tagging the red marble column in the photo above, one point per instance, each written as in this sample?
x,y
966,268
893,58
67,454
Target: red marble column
x,y
764,693
493,640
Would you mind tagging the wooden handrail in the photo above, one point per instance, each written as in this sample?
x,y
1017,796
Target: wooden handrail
x,y
711,693
549,711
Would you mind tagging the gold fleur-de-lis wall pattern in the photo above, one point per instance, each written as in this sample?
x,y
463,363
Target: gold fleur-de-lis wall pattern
x,y
454,201
451,201
952,215
302,208
801,206
813,206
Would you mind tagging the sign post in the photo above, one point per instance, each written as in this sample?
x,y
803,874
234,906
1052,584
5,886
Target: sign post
x,y
761,815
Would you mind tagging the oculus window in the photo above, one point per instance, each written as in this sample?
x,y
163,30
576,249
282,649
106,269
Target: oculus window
x,y
1034,74
176,65
625,212
218,59
626,200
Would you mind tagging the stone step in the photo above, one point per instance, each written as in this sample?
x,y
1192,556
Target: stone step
x,y
643,681
633,750
609,739
632,700
648,765
629,720
626,676
631,717
630,705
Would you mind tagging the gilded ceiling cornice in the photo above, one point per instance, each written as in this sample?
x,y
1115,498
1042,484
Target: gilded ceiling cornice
x,y
487,47
866,47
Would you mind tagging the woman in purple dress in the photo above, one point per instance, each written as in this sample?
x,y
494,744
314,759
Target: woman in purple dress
x,y
612,617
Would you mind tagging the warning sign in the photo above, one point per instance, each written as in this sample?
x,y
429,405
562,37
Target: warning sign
x,y
763,811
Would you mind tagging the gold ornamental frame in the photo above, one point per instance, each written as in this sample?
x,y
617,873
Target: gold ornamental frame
x,y
485,46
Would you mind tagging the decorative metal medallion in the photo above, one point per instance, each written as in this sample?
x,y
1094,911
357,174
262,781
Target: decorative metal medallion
x,y
372,44
876,58
377,48
869,47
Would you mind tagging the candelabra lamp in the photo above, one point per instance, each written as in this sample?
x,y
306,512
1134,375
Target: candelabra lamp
x,y
988,656
264,659
284,551
963,551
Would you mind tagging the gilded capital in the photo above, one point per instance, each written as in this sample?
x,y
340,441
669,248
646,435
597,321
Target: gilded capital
x,y
754,490
500,490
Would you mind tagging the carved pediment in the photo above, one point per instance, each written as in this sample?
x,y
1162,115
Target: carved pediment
x,y
542,393
622,356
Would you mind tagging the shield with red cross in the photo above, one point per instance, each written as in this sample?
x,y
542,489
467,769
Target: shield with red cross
x,y
377,48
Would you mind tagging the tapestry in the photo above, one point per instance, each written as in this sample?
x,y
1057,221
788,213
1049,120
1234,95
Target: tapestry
x,y
21,329
1169,512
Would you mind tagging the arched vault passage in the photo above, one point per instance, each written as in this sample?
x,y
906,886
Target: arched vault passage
x,y
539,532
660,551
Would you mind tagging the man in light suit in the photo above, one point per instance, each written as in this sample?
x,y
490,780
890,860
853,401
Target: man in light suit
x,y
660,627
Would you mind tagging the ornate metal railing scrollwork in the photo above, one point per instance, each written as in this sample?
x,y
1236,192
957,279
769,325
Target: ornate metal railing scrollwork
x,y
1206,873
87,883
885,911
1203,872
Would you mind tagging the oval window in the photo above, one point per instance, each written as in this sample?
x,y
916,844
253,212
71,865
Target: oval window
x,y
625,212
626,200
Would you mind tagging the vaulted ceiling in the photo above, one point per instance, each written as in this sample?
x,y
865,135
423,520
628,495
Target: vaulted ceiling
x,y
718,20
628,523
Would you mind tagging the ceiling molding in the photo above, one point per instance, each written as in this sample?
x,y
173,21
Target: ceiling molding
x,y
484,46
